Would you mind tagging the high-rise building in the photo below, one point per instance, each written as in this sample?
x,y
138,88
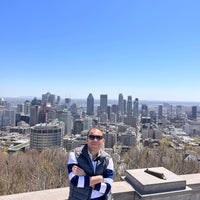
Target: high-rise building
x,y
48,97
113,117
20,108
34,114
179,111
3,102
128,138
114,108
67,103
120,104
194,112
58,100
110,139
45,97
169,112
8,118
160,112
136,108
52,99
27,107
78,126
104,117
47,135
90,104
74,109
87,123
103,103
125,106
144,110
66,117
129,106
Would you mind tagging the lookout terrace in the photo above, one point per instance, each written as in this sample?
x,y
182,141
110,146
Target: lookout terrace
x,y
138,184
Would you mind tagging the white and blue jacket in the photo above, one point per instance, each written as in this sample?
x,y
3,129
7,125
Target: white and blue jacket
x,y
80,185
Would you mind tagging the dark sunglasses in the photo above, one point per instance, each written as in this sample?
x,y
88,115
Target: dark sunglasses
x,y
92,137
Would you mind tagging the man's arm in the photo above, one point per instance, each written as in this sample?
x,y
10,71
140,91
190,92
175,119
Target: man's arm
x,y
108,177
93,179
77,176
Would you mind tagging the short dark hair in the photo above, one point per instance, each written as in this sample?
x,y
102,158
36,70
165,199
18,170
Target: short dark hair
x,y
97,128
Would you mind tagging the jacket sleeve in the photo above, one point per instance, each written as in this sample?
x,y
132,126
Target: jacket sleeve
x,y
78,181
106,185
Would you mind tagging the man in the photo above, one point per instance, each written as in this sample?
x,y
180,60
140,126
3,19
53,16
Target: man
x,y
90,169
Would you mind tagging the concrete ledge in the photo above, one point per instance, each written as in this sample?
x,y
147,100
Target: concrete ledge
x,y
53,194
121,191
191,179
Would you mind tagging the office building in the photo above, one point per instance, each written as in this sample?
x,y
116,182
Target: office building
x,y
144,110
27,107
66,117
103,103
90,104
34,114
120,104
160,112
7,118
194,112
20,108
104,117
48,97
110,139
136,108
47,135
78,126
129,106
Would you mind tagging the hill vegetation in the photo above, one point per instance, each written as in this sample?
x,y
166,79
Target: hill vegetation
x,y
32,171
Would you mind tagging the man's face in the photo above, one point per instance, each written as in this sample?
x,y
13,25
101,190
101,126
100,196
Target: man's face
x,y
95,140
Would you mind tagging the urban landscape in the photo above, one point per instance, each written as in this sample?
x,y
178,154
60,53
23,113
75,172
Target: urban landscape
x,y
155,133
52,122
121,77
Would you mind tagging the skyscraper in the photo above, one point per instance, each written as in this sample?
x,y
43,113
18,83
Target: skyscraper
x,y
27,107
48,97
34,114
103,103
67,103
144,110
136,108
194,112
160,112
120,104
129,106
129,120
90,105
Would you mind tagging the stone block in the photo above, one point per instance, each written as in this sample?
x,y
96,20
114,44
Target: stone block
x,y
154,180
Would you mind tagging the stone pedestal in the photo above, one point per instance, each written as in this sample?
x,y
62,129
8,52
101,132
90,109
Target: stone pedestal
x,y
154,180
157,183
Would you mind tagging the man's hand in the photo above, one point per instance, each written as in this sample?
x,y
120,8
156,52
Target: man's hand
x,y
78,171
95,179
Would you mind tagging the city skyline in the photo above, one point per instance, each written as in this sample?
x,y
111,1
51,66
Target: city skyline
x,y
146,49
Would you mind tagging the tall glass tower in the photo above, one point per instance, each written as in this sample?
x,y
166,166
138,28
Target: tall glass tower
x,y
120,104
129,106
90,105
136,108
103,103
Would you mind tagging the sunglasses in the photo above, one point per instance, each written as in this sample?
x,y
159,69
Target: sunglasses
x,y
93,137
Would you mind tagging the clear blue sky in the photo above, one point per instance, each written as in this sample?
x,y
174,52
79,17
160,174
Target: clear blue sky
x,y
149,49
